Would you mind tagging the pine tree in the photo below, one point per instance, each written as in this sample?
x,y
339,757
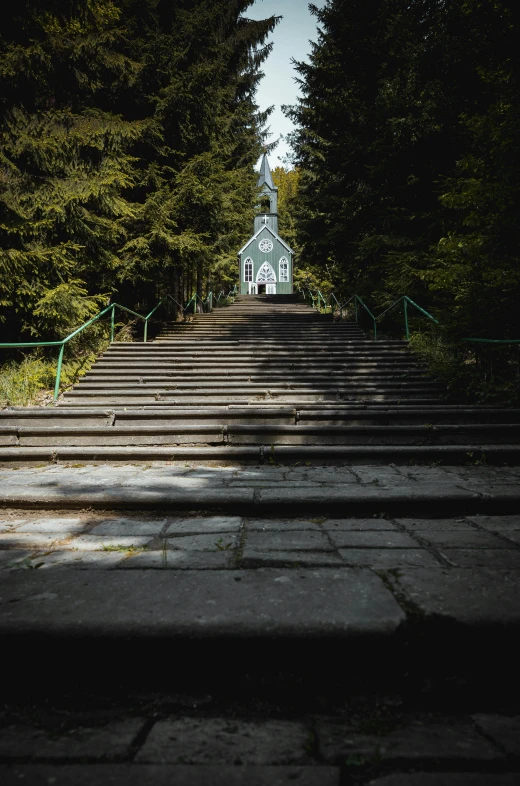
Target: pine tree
x,y
406,140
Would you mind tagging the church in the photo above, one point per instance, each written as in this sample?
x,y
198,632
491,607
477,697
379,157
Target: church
x,y
266,261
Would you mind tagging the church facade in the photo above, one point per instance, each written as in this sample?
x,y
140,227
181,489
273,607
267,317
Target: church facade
x,y
266,261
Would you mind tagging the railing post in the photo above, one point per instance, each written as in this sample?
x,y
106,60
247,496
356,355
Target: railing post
x,y
145,335
356,308
405,309
375,330
112,325
58,373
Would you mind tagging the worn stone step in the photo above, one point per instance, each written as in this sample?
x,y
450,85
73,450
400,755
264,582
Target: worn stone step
x,y
62,416
130,433
295,400
190,380
284,454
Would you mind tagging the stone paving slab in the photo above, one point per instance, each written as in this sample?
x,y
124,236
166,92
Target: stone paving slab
x,y
254,558
374,523
461,538
201,525
112,741
267,602
282,525
496,558
476,596
217,541
445,525
503,730
497,523
418,741
81,560
59,526
130,526
177,560
96,542
382,539
226,741
168,775
288,541
388,558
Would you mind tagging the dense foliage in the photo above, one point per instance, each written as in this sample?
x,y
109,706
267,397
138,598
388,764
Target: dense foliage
x,y
128,138
407,138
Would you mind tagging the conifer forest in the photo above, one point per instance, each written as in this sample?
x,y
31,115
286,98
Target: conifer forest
x,y
130,132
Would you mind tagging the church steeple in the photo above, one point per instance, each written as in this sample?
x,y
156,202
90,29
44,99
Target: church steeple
x,y
268,192
266,261
265,175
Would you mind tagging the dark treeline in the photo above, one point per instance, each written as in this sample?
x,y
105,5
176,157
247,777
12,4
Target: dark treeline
x,y
407,138
128,138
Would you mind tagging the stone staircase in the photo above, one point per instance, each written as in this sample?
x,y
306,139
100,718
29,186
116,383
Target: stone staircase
x,y
267,379
197,591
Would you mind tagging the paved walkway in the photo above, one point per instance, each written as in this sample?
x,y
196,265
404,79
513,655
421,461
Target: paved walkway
x,y
392,572
189,750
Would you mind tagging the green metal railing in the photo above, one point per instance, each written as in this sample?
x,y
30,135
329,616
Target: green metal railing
x,y
493,340
405,300
357,300
206,302
316,299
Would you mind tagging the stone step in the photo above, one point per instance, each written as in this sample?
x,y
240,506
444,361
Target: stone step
x,y
192,379
230,367
130,379
253,434
223,391
296,400
62,417
330,589
284,454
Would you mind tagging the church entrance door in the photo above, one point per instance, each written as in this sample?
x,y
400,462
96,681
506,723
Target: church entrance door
x,y
266,280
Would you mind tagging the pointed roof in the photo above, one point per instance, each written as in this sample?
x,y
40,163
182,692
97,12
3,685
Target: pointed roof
x,y
273,233
265,174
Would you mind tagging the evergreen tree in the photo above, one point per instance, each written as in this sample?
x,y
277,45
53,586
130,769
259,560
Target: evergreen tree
x,y
128,138
65,163
406,139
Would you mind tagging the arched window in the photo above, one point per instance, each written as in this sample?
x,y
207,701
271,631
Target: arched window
x,y
248,269
266,273
283,273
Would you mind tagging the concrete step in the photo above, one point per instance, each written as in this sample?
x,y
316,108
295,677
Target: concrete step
x,y
296,400
62,416
223,381
196,375
253,434
284,454
209,369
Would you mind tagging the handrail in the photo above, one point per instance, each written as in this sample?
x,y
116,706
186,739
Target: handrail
x,y
112,308
407,300
493,340
357,300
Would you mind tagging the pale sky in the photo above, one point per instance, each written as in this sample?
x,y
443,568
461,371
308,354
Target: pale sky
x,y
291,39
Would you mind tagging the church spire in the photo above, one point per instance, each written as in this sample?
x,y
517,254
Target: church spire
x,y
265,176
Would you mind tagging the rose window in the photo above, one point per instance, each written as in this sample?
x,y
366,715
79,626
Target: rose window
x,y
265,246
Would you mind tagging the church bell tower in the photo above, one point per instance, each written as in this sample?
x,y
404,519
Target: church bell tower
x,y
266,261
